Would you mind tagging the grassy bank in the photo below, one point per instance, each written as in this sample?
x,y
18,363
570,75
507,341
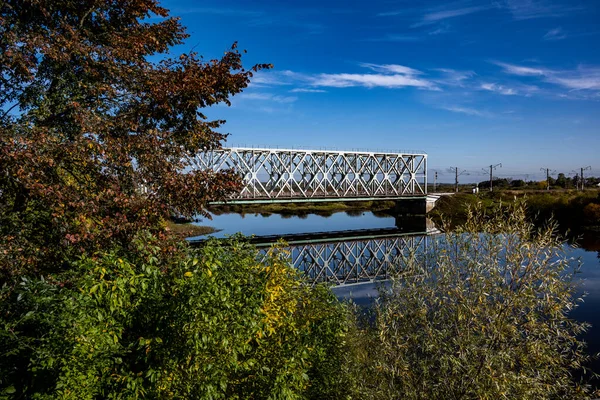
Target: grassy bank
x,y
573,210
322,208
189,230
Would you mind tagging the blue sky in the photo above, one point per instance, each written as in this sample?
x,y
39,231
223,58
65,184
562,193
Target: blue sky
x,y
472,83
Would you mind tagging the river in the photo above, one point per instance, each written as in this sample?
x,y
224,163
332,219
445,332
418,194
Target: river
x,y
368,249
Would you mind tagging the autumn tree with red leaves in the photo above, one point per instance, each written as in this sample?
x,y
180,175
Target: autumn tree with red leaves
x,y
95,137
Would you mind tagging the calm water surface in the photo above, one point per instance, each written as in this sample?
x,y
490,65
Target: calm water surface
x,y
275,224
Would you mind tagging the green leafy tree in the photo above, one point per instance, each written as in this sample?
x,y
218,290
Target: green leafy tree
x,y
217,323
518,183
561,180
95,136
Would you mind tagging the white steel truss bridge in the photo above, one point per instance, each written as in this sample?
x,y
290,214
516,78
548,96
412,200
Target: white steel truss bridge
x,y
279,175
354,261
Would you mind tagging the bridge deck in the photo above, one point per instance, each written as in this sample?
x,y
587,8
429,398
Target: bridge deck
x,y
315,175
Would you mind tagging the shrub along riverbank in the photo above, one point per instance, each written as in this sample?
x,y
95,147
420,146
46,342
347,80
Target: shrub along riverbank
x,y
300,209
574,210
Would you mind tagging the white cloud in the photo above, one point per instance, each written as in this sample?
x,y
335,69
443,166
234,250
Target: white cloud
x,y
217,11
306,90
452,77
268,97
555,34
466,110
395,38
380,75
492,87
440,29
451,13
451,10
520,70
582,78
529,9
391,69
276,78
387,75
370,81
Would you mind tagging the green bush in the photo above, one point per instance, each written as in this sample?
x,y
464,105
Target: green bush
x,y
484,315
215,324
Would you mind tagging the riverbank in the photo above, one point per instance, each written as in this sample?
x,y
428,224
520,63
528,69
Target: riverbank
x,y
299,209
186,230
576,211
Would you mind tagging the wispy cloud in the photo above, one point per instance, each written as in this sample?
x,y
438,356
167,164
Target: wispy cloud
x,y
582,78
217,11
521,70
431,15
467,111
452,77
529,9
386,75
390,37
493,87
276,78
307,90
439,30
440,15
555,34
268,97
430,33
370,81
391,69
400,12
383,75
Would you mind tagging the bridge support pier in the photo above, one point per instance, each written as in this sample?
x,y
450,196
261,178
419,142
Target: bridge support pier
x,y
411,215
411,207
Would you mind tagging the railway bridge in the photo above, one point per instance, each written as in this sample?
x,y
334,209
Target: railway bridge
x,y
290,175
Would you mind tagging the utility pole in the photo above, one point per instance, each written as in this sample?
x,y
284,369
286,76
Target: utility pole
x,y
492,168
577,180
547,171
582,178
456,175
434,180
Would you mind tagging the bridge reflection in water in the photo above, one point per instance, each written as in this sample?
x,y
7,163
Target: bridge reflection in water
x,y
353,257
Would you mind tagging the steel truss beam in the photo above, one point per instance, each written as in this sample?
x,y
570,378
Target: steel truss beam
x,y
355,261
318,174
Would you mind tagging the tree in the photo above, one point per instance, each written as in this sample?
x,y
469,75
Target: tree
x,y
561,180
213,324
95,137
518,183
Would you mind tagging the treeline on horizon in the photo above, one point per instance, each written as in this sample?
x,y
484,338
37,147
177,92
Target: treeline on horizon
x,y
560,182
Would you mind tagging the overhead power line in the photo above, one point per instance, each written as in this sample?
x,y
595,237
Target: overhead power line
x,y
492,168
547,171
456,175
582,178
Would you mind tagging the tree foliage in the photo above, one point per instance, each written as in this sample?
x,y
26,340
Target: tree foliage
x,y
220,324
95,136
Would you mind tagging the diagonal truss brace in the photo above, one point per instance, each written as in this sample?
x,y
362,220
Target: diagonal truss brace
x,y
291,174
